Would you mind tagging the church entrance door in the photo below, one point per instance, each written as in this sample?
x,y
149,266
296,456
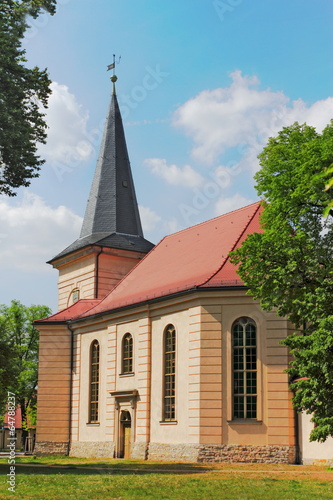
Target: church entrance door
x,y
127,441
125,434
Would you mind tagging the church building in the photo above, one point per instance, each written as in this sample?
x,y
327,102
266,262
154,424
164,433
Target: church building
x,y
157,352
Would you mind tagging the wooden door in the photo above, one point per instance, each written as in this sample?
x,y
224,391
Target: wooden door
x,y
127,441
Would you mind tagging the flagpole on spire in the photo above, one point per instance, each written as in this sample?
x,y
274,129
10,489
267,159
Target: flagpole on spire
x,y
113,77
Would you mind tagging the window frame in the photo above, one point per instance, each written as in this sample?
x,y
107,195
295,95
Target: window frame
x,y
242,356
94,383
74,293
169,374
130,356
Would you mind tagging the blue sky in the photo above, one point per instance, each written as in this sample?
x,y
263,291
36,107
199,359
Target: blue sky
x,y
202,84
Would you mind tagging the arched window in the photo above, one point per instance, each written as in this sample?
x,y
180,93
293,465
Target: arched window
x,y
169,406
244,342
94,381
127,354
75,295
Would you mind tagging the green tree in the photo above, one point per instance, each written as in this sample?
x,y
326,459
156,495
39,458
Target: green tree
x,y
23,94
7,372
289,266
19,338
329,184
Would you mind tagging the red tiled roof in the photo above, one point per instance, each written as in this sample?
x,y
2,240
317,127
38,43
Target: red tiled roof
x,y
71,312
197,257
193,258
228,271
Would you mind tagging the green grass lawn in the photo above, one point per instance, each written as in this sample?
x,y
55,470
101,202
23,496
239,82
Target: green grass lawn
x,y
45,478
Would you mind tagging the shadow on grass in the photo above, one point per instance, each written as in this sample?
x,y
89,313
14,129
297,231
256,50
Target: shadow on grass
x,y
104,468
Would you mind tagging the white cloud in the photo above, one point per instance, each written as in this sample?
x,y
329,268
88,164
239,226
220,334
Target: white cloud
x,y
177,176
243,115
149,218
172,226
225,205
68,139
33,232
222,175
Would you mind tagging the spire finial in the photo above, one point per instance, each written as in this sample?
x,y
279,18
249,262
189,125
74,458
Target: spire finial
x,y
113,80
113,77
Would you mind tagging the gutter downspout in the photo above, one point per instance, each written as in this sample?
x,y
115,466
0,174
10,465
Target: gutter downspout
x,y
297,457
70,387
150,380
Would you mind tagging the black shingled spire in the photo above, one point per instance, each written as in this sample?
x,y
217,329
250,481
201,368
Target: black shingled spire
x,y
112,205
112,216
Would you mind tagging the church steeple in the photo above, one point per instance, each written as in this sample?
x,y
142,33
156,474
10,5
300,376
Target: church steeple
x,y
112,216
111,240
112,206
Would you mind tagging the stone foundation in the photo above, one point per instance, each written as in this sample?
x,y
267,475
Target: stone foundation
x,y
247,453
222,453
92,449
51,448
174,452
139,451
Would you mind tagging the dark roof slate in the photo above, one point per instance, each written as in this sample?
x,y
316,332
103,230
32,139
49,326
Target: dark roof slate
x,y
114,240
112,216
112,206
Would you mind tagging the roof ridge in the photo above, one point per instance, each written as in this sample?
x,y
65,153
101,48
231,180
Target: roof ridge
x,y
234,245
211,220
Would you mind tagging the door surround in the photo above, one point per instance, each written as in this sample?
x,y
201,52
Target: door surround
x,y
125,417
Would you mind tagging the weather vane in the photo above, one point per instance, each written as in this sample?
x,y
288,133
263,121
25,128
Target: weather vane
x,y
113,66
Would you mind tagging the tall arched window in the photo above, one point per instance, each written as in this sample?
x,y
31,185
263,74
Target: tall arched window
x,y
244,341
94,381
127,354
169,406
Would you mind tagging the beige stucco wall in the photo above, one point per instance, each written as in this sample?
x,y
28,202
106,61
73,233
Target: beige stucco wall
x,y
210,391
203,325
78,274
275,415
110,335
113,265
54,379
92,431
313,452
91,269
179,431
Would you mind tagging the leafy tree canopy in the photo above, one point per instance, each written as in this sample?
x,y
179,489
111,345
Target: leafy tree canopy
x,y
23,94
19,354
289,266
